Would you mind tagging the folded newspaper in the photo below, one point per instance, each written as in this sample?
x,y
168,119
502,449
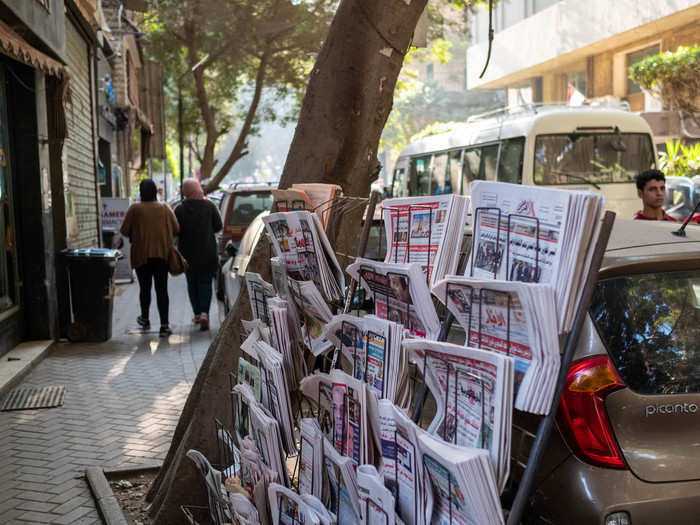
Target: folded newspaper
x,y
426,230
343,405
259,291
473,390
301,244
463,484
512,318
340,491
314,312
540,235
400,294
371,349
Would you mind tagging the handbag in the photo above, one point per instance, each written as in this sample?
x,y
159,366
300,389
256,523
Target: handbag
x,y
176,262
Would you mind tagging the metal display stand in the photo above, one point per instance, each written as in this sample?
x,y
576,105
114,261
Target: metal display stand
x,y
546,424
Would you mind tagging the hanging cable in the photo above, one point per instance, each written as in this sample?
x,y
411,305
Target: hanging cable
x,y
488,56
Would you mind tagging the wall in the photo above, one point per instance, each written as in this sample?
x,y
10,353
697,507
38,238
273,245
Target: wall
x,y
47,24
564,31
79,149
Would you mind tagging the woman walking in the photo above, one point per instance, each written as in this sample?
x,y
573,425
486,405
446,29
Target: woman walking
x,y
199,220
151,226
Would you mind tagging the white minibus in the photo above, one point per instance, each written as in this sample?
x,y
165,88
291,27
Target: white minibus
x,y
590,148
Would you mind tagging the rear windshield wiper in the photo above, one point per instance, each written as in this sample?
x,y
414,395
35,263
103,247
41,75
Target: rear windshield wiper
x,y
577,177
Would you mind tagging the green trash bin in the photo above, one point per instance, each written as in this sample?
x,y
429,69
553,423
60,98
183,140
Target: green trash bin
x,y
91,281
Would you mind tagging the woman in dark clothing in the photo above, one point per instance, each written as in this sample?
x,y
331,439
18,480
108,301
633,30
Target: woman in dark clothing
x,y
199,220
151,226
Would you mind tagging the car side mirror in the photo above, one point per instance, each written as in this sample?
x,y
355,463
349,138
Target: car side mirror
x,y
231,249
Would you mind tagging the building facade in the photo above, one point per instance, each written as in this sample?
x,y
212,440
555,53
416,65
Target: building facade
x,y
541,47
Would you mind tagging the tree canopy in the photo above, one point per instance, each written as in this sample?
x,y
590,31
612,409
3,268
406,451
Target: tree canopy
x,y
222,54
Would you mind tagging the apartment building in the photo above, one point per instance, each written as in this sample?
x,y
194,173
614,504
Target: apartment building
x,y
543,46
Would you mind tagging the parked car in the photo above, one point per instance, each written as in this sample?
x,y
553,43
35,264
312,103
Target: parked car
x,y
240,204
682,195
627,447
233,270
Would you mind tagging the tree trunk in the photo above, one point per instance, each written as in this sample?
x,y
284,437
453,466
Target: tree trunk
x,y
347,102
350,93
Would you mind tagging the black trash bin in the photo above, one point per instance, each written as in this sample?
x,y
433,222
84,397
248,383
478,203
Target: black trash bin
x,y
91,278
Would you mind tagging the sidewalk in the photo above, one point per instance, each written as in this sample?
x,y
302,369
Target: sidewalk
x,y
123,399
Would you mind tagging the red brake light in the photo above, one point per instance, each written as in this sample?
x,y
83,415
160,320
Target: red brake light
x,y
582,416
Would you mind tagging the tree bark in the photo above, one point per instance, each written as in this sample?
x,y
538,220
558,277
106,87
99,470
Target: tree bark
x,y
347,102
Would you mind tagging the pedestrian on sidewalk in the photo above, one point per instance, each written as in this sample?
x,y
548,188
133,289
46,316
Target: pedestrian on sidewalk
x,y
199,220
151,226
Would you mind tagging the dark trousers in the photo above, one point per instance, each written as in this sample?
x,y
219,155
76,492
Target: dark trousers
x,y
154,271
199,289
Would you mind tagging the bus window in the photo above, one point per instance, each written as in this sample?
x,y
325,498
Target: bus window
x,y
439,182
454,167
399,186
419,179
591,157
510,167
489,161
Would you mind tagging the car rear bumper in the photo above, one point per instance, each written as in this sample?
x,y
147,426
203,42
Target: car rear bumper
x,y
578,493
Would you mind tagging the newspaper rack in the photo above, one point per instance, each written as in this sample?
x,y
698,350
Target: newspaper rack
x,y
568,348
398,241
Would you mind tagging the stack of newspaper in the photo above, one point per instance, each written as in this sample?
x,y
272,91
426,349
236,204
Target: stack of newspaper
x,y
289,508
372,348
301,244
515,319
343,405
311,456
283,337
265,431
463,486
402,463
473,390
376,501
540,235
312,197
400,294
426,230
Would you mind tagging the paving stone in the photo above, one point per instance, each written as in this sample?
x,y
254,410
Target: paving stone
x,y
122,404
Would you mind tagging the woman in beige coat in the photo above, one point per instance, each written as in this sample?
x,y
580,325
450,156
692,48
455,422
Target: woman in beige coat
x,y
151,226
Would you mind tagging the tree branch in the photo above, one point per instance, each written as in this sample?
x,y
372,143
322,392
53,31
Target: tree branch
x,y
239,149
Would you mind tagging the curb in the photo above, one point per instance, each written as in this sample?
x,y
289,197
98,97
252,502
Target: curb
x,y
106,501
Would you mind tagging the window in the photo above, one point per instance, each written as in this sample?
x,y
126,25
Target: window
x,y
633,58
577,79
419,180
247,206
479,164
579,158
510,167
399,186
439,183
429,73
650,325
454,167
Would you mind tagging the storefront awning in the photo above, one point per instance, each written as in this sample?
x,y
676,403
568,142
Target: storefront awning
x,y
16,47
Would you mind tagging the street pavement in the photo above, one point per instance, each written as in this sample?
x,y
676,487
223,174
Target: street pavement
x,y
123,399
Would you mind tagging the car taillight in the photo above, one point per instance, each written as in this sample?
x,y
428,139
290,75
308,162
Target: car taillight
x,y
582,416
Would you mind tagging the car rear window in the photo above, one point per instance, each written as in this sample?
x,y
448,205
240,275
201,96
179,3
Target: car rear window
x,y
247,206
650,325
